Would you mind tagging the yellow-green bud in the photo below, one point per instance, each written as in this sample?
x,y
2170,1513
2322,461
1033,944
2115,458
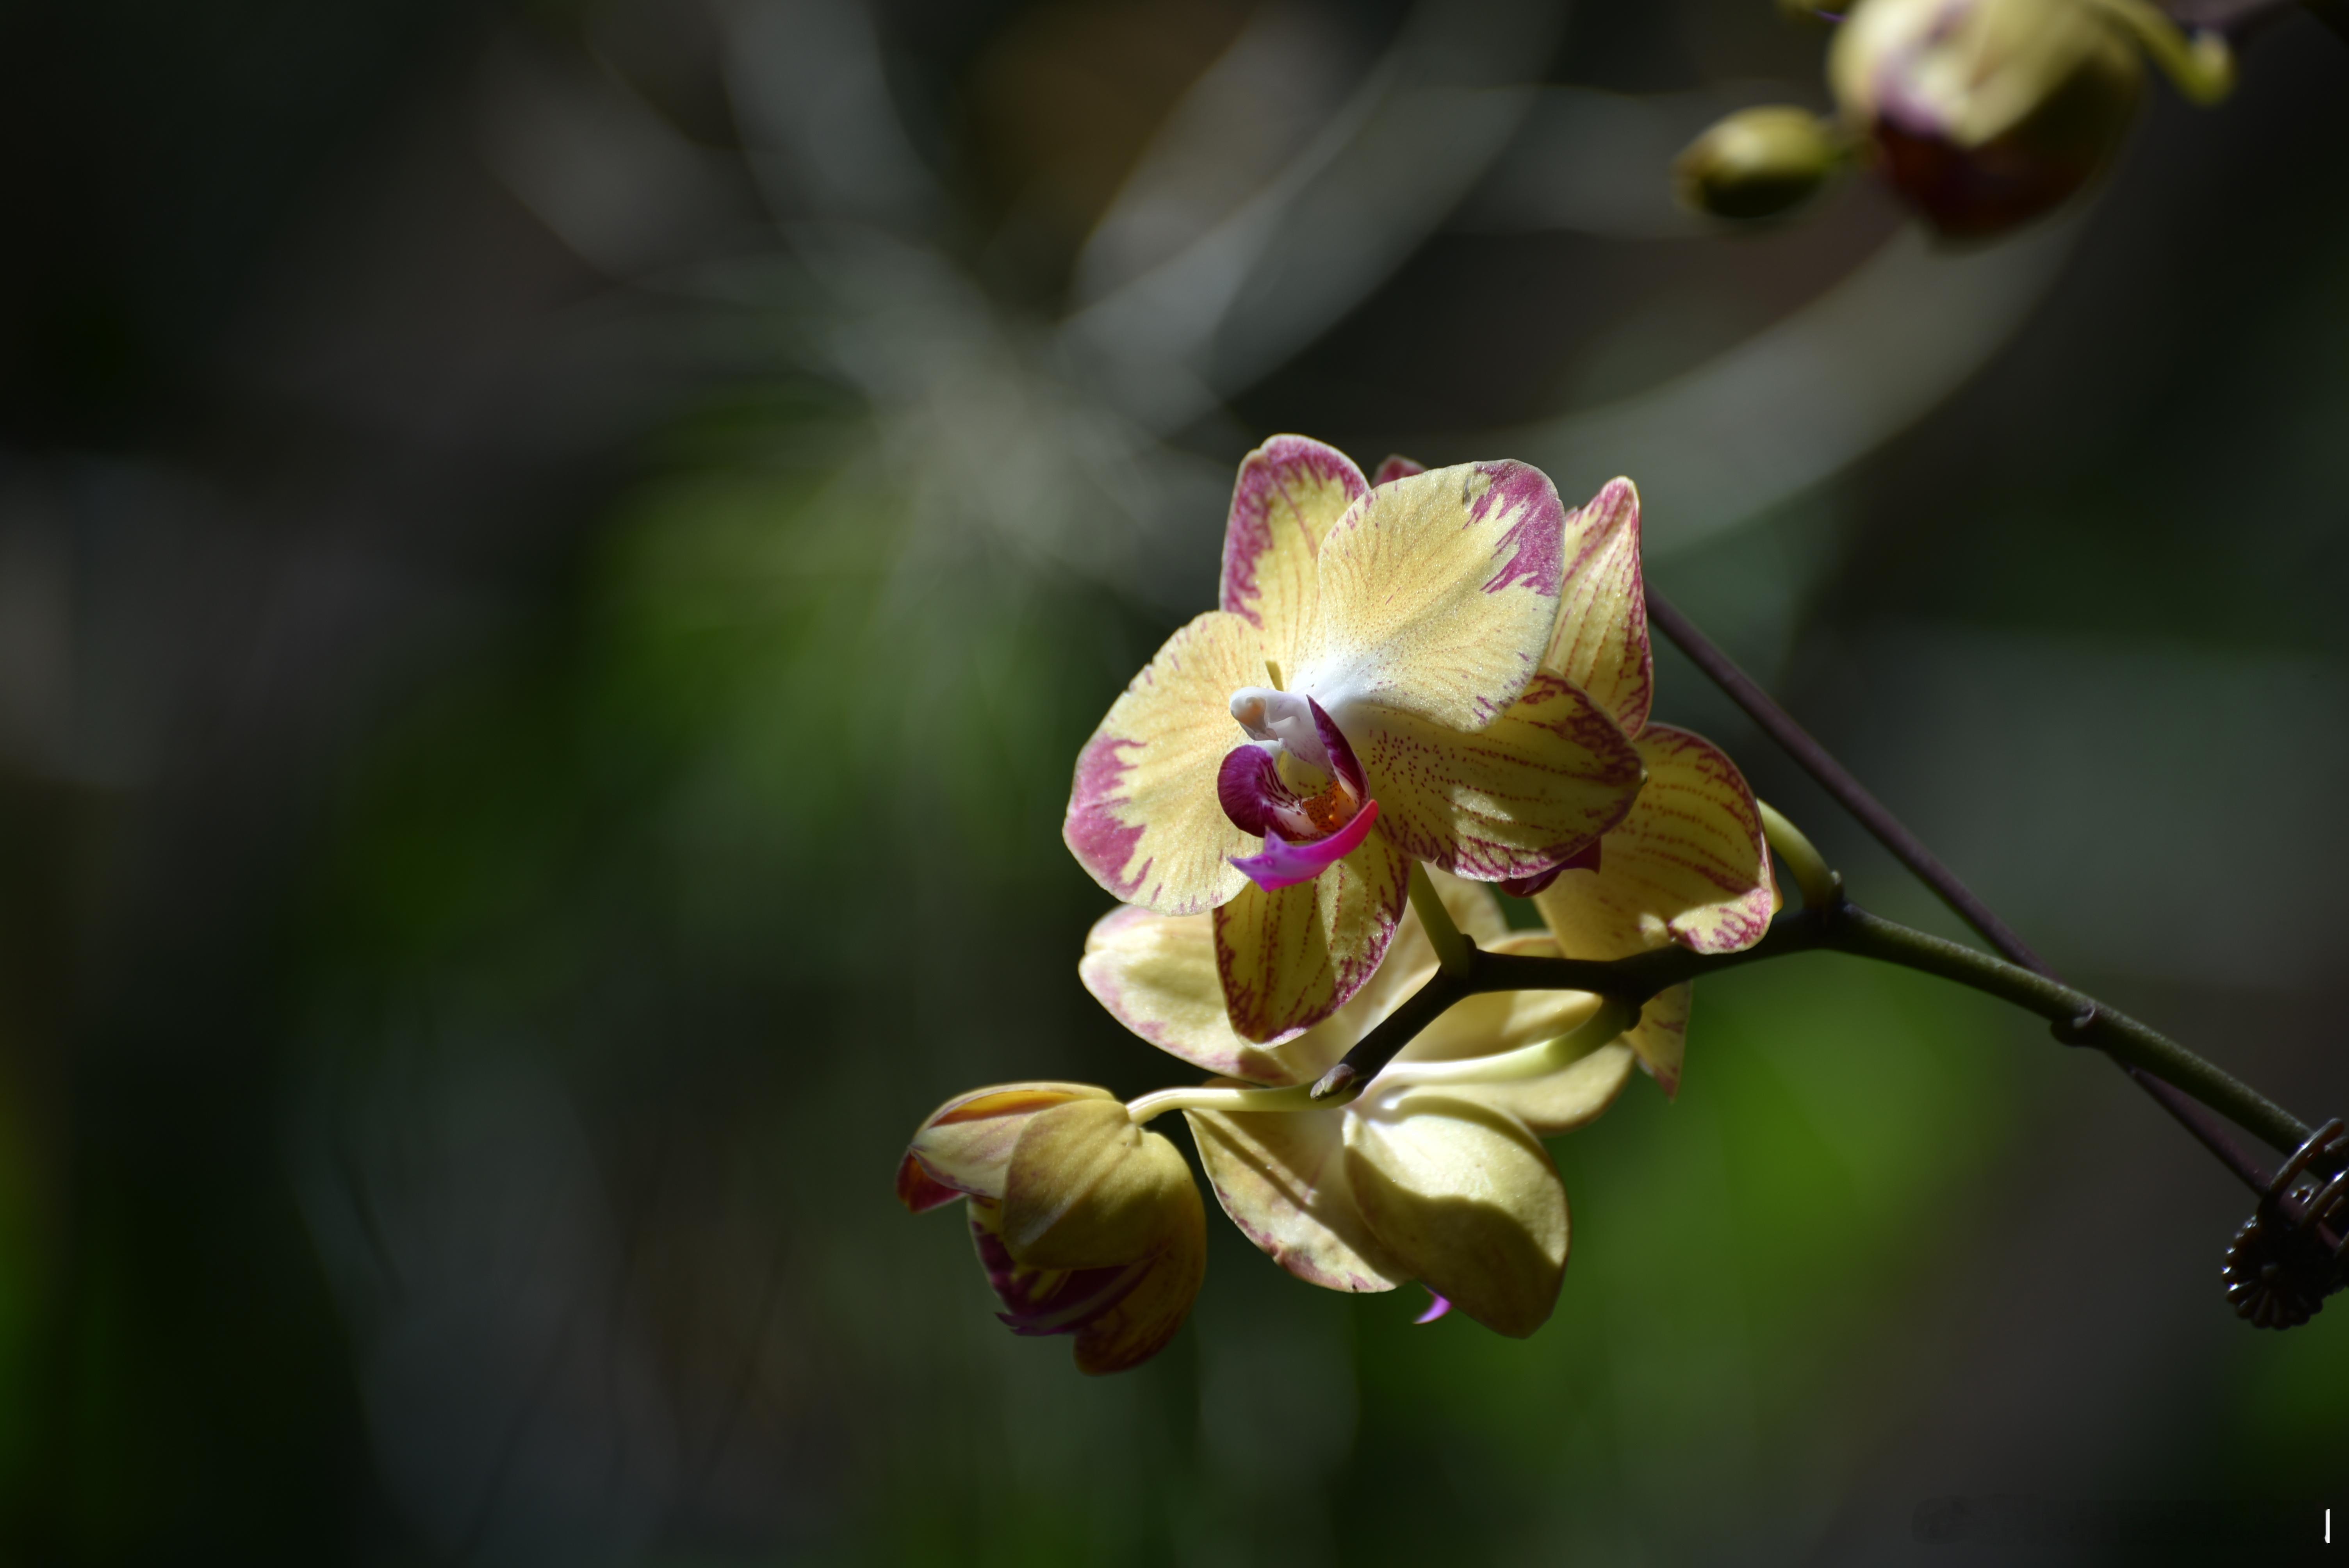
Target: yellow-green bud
x,y
1757,163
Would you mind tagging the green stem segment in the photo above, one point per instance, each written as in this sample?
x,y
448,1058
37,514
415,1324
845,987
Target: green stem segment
x,y
1822,889
1453,952
1836,928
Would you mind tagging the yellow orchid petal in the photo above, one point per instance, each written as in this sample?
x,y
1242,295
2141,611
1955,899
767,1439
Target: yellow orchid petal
x,y
1661,1040
1466,1199
1142,1323
1495,1021
1144,817
1156,975
1289,958
1530,790
1282,1178
1086,1188
965,1145
1567,1098
1501,1021
1289,493
1438,595
1687,864
1600,641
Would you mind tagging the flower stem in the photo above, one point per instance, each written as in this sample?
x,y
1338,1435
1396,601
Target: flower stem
x,y
1912,852
1454,951
1822,889
1845,928
1295,1097
1610,1021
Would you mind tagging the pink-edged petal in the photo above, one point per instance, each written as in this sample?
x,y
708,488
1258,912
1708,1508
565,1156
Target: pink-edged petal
x,y
1281,865
1436,1307
1662,1039
1281,1177
1290,491
1438,594
1144,818
1687,864
1465,1197
1156,975
1290,957
966,1144
1534,788
1600,641
1396,466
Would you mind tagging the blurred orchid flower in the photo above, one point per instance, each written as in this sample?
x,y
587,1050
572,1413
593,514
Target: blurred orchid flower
x,y
1988,113
1436,1172
1085,1224
1368,694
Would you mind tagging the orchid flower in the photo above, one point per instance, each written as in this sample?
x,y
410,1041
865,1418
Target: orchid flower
x,y
1085,1224
1436,1170
1989,112
1368,694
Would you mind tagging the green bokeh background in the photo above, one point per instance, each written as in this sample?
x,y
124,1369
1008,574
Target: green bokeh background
x,y
543,795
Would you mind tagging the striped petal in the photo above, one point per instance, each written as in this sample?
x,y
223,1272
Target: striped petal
x,y
1534,788
1156,975
1438,595
1282,1178
1661,1041
1464,1197
1143,816
1290,491
1688,865
965,1146
1290,957
1600,641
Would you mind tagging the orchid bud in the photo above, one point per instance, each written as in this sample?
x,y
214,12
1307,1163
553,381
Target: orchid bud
x,y
1989,113
1757,163
1085,1224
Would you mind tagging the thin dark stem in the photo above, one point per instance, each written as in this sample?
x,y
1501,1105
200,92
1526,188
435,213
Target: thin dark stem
x,y
1849,792
1912,852
1848,929
2239,19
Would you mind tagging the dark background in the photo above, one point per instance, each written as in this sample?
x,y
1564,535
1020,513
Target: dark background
x,y
554,559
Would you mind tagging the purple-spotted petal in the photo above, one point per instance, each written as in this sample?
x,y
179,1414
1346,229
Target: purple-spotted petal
x,y
1283,864
1289,492
1438,594
1289,957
